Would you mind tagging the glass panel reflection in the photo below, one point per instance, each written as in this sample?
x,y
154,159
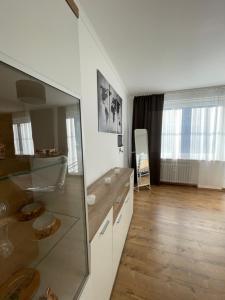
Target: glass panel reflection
x,y
43,238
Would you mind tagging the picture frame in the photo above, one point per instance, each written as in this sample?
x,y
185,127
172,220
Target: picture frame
x,y
109,107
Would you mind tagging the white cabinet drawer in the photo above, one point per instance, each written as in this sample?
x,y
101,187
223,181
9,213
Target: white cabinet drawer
x,y
101,260
128,212
132,193
120,230
119,237
106,250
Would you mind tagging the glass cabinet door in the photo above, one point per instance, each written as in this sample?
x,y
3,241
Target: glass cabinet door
x,y
43,236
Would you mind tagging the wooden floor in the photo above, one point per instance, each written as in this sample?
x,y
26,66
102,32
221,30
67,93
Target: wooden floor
x,y
175,248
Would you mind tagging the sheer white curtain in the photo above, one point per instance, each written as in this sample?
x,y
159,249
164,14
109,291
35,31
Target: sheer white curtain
x,y
72,149
208,133
22,132
74,139
171,134
194,130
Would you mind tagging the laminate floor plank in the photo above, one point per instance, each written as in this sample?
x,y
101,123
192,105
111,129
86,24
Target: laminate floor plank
x,y
175,248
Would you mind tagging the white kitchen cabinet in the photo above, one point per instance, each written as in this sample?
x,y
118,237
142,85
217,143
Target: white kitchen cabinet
x,y
101,260
106,250
87,291
132,193
119,237
120,230
128,207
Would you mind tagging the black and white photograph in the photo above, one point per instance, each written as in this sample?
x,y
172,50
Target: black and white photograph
x,y
103,103
113,102
109,107
119,115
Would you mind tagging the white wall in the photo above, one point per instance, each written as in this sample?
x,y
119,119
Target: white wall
x,y
211,174
101,148
41,38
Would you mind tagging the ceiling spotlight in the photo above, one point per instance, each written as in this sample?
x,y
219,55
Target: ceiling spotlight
x,y
30,92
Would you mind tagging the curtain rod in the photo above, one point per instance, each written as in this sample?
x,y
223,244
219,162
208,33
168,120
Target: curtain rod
x,y
195,89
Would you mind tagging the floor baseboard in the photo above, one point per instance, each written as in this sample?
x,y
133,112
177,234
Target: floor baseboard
x,y
193,185
178,184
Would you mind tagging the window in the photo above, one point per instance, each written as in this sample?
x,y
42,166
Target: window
x,y
207,133
72,147
171,133
23,141
196,133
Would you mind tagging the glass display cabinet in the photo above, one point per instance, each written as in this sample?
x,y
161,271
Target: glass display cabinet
x,y
43,230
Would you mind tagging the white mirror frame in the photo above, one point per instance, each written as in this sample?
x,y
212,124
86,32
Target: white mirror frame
x,y
144,133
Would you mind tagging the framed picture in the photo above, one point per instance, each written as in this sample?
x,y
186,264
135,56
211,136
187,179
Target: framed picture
x,y
103,103
109,106
113,99
119,115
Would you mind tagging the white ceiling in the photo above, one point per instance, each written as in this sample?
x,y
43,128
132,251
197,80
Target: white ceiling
x,y
162,45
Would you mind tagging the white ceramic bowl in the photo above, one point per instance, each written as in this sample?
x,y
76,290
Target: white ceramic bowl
x,y
91,199
107,180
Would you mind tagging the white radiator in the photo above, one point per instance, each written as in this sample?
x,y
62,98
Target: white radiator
x,y
179,171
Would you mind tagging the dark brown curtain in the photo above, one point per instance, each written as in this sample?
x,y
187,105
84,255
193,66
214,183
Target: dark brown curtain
x,y
147,114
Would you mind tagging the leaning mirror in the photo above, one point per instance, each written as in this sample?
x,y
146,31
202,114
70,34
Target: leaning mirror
x,y
142,158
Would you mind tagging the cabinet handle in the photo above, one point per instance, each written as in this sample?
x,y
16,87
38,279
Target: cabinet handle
x,y
120,217
105,227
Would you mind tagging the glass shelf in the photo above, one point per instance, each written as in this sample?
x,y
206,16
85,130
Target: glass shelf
x,y
50,245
